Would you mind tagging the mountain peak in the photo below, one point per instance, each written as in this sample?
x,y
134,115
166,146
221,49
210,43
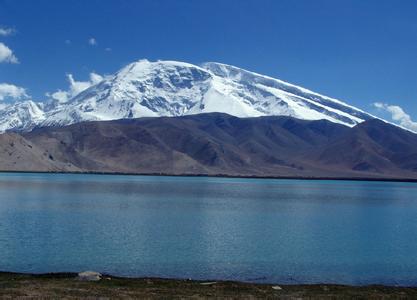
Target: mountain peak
x,y
144,65
171,88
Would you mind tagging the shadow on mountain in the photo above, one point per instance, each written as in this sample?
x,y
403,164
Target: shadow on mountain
x,y
219,144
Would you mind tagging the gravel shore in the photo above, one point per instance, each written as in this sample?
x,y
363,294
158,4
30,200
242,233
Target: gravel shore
x,y
69,286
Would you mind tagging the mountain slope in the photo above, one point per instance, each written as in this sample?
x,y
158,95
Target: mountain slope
x,y
169,88
197,144
21,116
19,154
217,143
373,146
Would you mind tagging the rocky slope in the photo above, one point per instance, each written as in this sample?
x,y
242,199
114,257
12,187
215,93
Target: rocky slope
x,y
20,154
216,144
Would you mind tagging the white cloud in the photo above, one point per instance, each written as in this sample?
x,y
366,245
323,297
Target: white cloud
x,y
6,55
68,42
11,91
108,49
95,78
75,87
92,41
398,115
60,96
4,31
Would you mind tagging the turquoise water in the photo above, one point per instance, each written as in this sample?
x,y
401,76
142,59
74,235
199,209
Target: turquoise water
x,y
261,230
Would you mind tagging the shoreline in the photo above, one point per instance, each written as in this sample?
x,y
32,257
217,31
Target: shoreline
x,y
70,286
67,275
315,178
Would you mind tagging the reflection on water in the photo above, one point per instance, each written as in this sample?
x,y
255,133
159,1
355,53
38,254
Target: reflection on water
x,y
285,231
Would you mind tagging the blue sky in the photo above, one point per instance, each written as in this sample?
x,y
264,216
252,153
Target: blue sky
x,y
355,50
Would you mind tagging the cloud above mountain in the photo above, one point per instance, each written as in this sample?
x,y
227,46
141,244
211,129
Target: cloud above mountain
x,y
75,87
11,91
7,55
398,115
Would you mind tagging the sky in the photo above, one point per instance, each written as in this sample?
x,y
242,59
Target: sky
x,y
363,52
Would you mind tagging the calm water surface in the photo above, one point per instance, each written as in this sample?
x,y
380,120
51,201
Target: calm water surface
x,y
287,231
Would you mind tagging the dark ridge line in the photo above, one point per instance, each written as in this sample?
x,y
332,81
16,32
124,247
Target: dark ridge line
x,y
318,178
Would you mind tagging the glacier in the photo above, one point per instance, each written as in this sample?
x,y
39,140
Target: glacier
x,y
171,88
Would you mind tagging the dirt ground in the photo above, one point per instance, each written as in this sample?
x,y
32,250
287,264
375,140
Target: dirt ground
x,y
68,286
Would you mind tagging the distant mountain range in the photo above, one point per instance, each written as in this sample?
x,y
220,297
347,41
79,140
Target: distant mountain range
x,y
169,88
170,117
217,144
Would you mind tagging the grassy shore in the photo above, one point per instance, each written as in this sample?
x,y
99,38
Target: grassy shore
x,y
67,285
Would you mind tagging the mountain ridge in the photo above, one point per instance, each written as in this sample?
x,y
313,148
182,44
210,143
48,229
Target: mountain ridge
x,y
217,144
171,88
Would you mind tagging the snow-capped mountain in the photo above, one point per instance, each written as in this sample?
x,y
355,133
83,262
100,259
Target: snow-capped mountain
x,y
169,88
21,116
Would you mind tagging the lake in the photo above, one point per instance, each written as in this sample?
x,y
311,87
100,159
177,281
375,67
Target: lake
x,y
256,230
